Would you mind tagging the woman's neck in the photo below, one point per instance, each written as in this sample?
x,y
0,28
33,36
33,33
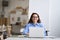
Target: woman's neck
x,y
35,22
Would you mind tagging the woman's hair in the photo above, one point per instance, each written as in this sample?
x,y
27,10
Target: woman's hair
x,y
30,21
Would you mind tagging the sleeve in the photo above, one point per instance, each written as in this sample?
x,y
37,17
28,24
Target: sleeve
x,y
26,29
42,25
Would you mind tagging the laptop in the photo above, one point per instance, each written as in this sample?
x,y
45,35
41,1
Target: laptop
x,y
36,32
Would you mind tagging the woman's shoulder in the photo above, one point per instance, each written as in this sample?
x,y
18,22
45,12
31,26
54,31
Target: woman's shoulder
x,y
37,23
41,24
28,24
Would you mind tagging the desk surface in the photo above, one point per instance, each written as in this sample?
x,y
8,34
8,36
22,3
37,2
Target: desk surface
x,y
30,38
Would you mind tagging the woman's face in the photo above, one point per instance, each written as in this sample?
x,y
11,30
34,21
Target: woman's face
x,y
35,18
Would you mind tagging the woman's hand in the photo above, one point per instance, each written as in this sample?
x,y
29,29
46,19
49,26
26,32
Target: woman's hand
x,y
27,34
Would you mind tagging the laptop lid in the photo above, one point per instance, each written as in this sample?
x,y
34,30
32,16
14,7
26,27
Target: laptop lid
x,y
36,32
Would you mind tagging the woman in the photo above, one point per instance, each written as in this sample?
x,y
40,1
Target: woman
x,y
33,22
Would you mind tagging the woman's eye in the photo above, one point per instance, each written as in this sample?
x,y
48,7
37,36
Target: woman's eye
x,y
35,17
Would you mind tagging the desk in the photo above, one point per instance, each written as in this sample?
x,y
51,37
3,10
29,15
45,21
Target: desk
x,y
27,38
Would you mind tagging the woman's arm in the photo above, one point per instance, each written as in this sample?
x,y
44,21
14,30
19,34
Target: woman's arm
x,y
42,25
26,30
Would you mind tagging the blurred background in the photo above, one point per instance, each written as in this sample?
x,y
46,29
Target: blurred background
x,y
14,15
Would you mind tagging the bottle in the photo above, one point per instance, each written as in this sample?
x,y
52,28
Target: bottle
x,y
3,27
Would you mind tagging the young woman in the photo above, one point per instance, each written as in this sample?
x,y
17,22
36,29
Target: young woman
x,y
33,22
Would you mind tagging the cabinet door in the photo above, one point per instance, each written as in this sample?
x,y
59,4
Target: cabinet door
x,y
3,21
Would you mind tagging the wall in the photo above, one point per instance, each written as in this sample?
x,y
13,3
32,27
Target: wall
x,y
12,6
14,3
54,17
0,6
49,13
42,8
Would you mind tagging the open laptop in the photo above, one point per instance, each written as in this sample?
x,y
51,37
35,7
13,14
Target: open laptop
x,y
36,32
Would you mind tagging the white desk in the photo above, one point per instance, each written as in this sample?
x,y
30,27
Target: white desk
x,y
32,39
26,38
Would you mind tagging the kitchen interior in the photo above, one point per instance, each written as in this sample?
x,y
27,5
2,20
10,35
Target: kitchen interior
x,y
13,16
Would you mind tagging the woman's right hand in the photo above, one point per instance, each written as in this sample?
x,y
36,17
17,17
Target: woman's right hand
x,y
27,34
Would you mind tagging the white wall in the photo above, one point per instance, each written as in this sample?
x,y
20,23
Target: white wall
x,y
42,8
49,11
54,17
